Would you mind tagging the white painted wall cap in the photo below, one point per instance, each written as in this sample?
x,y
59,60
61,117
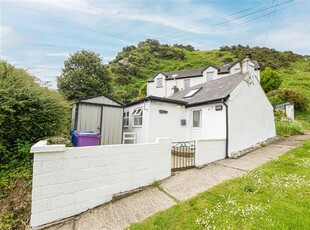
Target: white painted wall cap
x,y
43,147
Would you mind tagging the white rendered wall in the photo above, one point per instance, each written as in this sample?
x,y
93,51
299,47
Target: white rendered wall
x,y
213,123
250,113
155,91
167,125
143,131
68,181
209,150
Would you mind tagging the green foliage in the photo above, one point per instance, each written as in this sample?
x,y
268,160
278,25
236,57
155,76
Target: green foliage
x,y
274,98
297,99
84,75
266,56
15,196
264,198
270,79
287,128
132,67
28,112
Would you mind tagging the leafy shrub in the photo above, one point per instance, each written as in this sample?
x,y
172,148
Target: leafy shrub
x,y
28,112
274,98
129,48
186,47
297,99
270,80
266,56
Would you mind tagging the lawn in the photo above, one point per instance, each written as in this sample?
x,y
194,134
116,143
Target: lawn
x,y
273,196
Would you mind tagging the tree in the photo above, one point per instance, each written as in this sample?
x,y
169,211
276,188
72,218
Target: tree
x,y
28,112
84,75
270,80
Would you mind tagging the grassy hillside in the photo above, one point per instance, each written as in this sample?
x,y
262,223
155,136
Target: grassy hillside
x,y
133,66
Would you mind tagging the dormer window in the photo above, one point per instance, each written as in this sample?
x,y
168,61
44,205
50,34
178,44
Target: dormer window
x,y
159,83
210,76
187,83
191,93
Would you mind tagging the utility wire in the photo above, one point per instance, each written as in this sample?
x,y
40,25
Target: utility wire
x,y
238,12
255,12
246,15
270,24
253,19
267,21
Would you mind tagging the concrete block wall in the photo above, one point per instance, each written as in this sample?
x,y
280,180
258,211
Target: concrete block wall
x,y
68,181
209,150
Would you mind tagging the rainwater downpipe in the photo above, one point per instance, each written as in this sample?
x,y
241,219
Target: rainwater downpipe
x,y
227,133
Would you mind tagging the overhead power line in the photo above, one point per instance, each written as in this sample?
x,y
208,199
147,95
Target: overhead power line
x,y
268,28
242,16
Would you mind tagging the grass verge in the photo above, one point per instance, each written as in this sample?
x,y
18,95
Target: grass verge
x,y
273,196
287,128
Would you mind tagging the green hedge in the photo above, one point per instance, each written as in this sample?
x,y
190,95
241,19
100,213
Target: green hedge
x,y
28,112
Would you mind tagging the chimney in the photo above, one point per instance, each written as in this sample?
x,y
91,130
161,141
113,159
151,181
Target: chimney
x,y
174,89
227,61
248,57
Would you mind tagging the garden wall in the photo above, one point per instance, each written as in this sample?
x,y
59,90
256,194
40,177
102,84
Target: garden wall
x,y
68,181
209,150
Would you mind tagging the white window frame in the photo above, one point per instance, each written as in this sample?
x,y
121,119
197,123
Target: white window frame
x,y
199,122
208,75
137,115
186,83
159,82
126,119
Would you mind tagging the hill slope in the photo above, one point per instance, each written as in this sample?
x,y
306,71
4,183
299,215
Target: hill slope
x,y
135,64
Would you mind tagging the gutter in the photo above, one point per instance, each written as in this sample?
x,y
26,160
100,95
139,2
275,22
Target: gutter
x,y
227,133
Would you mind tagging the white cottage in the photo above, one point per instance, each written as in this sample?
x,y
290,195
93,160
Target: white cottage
x,y
224,103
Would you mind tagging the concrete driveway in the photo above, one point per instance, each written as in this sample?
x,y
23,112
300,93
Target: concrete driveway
x,y
182,186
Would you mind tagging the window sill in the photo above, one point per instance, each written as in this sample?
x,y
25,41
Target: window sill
x,y
137,126
159,87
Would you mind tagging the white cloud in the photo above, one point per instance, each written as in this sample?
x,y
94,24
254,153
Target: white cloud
x,y
57,54
289,35
9,38
78,6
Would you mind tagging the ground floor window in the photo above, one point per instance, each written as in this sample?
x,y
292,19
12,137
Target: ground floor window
x,y
197,118
137,117
126,118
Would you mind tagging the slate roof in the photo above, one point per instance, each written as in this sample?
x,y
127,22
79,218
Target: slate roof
x,y
210,91
194,72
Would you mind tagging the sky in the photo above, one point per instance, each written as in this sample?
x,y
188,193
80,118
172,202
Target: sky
x,y
39,35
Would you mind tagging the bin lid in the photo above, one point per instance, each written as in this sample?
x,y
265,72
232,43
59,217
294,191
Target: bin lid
x,y
86,134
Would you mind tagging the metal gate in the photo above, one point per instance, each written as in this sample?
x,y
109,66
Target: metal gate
x,y
182,155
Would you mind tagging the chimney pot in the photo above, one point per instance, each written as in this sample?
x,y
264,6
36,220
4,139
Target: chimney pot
x,y
248,57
